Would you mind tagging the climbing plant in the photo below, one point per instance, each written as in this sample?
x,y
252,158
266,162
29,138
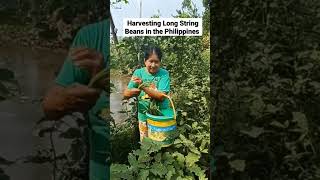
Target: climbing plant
x,y
265,82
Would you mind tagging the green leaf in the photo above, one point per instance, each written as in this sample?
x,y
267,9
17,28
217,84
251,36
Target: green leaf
x,y
203,147
188,127
194,125
270,108
177,141
76,151
194,149
143,174
140,152
144,159
44,131
132,160
6,74
276,56
189,103
157,157
198,171
171,172
167,158
205,151
185,141
4,92
238,165
315,85
180,158
273,5
71,133
257,105
192,158
254,132
120,171
185,178
118,167
279,125
4,161
301,120
150,146
159,169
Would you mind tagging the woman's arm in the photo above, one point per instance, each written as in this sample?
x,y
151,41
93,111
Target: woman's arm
x,y
132,89
128,93
157,95
60,101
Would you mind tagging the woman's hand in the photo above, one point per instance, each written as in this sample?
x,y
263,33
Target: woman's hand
x,y
136,80
60,101
135,91
80,97
88,59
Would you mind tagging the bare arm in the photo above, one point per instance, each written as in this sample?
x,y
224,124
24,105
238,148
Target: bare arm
x,y
157,95
60,101
128,93
150,91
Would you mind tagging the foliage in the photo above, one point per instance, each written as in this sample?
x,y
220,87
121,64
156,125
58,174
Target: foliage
x,y
8,84
153,162
69,164
73,162
125,137
154,109
187,60
8,87
54,20
265,83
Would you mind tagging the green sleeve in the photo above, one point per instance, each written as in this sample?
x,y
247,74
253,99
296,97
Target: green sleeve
x,y
69,73
164,83
131,83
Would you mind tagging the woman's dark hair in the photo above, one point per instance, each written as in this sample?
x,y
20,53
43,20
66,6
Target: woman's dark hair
x,y
150,50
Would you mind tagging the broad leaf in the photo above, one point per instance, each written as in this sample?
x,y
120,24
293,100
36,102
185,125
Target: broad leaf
x,y
238,165
6,74
254,132
71,133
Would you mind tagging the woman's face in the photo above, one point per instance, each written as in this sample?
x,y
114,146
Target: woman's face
x,y
152,63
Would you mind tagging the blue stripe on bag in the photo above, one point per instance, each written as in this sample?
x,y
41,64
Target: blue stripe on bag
x,y
159,129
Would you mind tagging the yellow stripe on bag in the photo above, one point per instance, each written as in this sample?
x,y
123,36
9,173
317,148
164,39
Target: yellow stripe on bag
x,y
161,124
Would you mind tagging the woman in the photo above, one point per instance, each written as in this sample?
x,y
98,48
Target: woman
x,y
158,84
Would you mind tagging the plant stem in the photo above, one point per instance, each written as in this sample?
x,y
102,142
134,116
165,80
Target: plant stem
x,y
54,156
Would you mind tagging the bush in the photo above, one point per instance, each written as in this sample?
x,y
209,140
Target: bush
x,y
266,61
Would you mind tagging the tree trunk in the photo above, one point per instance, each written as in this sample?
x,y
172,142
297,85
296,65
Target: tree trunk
x,y
114,35
115,38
